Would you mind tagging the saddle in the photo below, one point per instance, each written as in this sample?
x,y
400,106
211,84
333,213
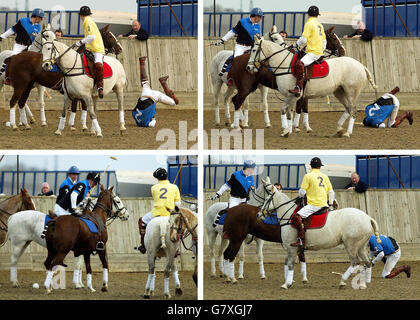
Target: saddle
x,y
317,69
316,220
101,226
89,65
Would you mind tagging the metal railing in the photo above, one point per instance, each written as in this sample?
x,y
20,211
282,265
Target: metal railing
x,y
177,20
32,180
184,170
292,22
288,175
68,21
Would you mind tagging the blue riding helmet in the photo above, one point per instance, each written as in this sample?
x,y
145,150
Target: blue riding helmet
x,y
73,170
38,12
257,12
249,164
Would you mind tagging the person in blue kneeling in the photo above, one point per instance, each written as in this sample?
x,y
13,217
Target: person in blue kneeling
x,y
386,107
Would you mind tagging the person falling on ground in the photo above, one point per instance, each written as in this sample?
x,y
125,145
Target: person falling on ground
x,y
145,110
314,38
317,188
93,43
165,197
386,107
245,30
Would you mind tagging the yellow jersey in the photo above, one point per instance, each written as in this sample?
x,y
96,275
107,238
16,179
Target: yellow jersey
x,y
317,186
314,34
97,45
165,195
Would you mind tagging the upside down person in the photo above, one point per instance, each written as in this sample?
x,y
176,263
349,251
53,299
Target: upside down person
x,y
386,107
145,110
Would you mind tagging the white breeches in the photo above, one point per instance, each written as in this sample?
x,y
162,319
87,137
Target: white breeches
x,y
147,218
233,202
309,58
390,263
240,50
307,210
98,57
18,48
155,95
60,211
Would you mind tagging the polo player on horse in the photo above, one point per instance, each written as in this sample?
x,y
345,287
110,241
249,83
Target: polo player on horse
x,y
245,30
314,38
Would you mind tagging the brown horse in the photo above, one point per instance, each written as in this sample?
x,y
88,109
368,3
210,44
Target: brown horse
x,y
246,82
66,233
25,69
185,220
11,205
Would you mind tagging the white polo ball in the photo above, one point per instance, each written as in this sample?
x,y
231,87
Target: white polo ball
x,y
8,124
35,286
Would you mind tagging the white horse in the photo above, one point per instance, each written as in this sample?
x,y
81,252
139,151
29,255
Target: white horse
x,y
349,226
257,199
78,84
345,80
27,226
216,65
158,244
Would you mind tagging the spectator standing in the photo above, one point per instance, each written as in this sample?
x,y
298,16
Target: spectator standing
x,y
356,184
136,32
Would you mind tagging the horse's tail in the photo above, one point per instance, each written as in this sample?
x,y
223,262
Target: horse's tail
x,y
369,77
375,229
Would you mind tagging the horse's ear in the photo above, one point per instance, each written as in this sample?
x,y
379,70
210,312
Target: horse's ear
x,y
330,30
48,27
111,188
257,38
268,180
273,29
106,27
102,188
264,181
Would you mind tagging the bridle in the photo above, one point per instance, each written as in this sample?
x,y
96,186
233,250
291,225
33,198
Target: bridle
x,y
261,199
111,215
181,233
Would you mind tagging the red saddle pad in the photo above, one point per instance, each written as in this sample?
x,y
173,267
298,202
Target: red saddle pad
x,y
107,68
317,220
320,70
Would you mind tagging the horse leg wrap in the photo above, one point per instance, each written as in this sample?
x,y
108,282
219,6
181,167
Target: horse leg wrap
x,y
12,117
289,279
22,115
96,126
262,271
348,272
166,286
28,111
83,117
303,269
296,120
48,280
241,269
89,280
284,123
62,123
236,117
121,114
105,276
231,266
286,271
306,120
343,119
350,126
71,118
76,273
176,279
13,274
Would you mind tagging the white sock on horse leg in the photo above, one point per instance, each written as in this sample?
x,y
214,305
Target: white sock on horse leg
x,y
83,117
369,275
296,120
303,268
95,125
236,116
351,125
13,274
348,273
48,280
241,268
284,124
121,113
166,285
246,115
12,116
152,282
266,117
221,264
62,123
232,270
28,111
241,115
286,271
42,112
89,280
262,271
176,279
213,265
343,119
289,279
105,276
21,116
71,118
306,119
76,273
149,281
290,125
226,268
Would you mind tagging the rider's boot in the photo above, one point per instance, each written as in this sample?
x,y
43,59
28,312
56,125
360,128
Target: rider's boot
x,y
143,73
396,271
298,223
407,115
299,72
168,91
142,230
100,79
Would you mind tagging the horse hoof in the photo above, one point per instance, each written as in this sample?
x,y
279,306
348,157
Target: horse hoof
x,y
43,124
91,289
123,132
146,296
99,135
297,129
362,287
213,276
263,277
58,133
227,123
234,281
304,280
16,284
309,130
268,125
20,124
104,289
217,125
178,292
72,128
14,127
340,131
241,276
27,127
85,129
285,134
285,286
342,285
346,134
32,120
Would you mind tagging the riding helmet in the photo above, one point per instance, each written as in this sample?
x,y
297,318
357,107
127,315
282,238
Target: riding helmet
x,y
85,11
38,12
73,170
257,12
316,163
160,174
94,176
313,11
249,164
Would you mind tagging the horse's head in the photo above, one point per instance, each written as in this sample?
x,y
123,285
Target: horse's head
x,y
260,195
48,49
182,219
277,202
334,43
27,203
112,204
110,41
275,36
254,59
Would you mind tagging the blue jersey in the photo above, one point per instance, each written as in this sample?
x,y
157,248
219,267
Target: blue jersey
x,y
65,187
246,30
142,116
26,31
240,184
376,114
387,245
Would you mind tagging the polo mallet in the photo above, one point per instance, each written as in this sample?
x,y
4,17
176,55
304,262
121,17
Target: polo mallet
x,y
112,158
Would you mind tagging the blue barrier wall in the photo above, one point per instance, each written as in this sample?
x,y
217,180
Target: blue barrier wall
x,y
378,171
186,177
291,22
32,180
289,175
159,20
388,24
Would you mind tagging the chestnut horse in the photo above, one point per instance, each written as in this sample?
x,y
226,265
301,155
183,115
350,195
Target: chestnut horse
x,y
25,70
66,233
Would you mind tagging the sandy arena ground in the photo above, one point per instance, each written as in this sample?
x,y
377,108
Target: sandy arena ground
x,y
136,138
121,286
323,136
322,285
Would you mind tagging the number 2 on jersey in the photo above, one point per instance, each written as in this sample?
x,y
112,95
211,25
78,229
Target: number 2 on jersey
x,y
320,181
162,196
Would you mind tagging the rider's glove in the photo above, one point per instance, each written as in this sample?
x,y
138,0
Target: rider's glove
x,y
295,45
219,43
78,43
216,196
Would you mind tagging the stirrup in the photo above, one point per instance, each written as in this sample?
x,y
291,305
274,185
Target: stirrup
x,y
100,246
